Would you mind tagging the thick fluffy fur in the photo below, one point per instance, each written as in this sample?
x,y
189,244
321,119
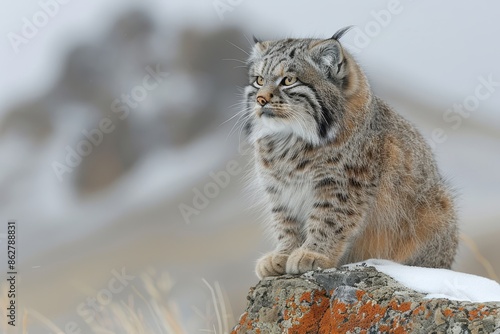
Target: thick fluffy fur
x,y
346,178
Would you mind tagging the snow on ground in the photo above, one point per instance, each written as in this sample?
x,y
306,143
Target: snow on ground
x,y
439,283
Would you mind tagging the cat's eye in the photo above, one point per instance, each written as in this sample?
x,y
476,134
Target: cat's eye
x,y
288,81
259,81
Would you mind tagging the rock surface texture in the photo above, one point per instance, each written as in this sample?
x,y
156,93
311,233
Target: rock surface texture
x,y
357,300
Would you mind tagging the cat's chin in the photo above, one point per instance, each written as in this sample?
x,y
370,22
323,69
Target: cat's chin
x,y
271,132
286,134
274,125
279,128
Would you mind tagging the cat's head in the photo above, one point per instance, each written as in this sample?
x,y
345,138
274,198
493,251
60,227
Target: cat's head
x,y
299,87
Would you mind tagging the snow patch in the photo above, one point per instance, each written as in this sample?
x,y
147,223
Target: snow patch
x,y
438,283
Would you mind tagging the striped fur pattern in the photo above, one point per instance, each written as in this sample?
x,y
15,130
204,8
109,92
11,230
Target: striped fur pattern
x,y
344,177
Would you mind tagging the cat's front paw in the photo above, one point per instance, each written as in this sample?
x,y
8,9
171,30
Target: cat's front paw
x,y
271,264
303,260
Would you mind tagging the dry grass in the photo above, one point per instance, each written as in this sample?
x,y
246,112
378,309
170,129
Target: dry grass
x,y
147,312
472,246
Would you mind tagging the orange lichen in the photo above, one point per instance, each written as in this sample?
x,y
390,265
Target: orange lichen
x,y
306,297
363,315
244,323
448,313
419,309
360,294
368,314
480,313
403,307
308,319
384,328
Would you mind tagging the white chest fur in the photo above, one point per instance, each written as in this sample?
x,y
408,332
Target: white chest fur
x,y
294,194
298,198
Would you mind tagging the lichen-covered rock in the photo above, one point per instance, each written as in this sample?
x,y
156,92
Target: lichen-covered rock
x,y
357,300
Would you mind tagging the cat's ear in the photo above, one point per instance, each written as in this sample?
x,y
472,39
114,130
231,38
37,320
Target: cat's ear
x,y
338,35
328,54
259,45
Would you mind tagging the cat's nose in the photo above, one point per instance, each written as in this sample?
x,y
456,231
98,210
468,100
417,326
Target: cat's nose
x,y
264,99
261,100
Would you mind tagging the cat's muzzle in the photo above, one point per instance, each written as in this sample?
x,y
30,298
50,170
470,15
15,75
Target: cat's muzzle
x,y
266,111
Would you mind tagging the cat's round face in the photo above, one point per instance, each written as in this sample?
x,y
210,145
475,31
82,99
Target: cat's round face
x,y
295,89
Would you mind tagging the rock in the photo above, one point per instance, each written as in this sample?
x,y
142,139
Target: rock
x,y
357,300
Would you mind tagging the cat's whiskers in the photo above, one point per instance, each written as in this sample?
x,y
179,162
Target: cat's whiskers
x,y
230,118
245,114
249,41
236,46
242,126
233,59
